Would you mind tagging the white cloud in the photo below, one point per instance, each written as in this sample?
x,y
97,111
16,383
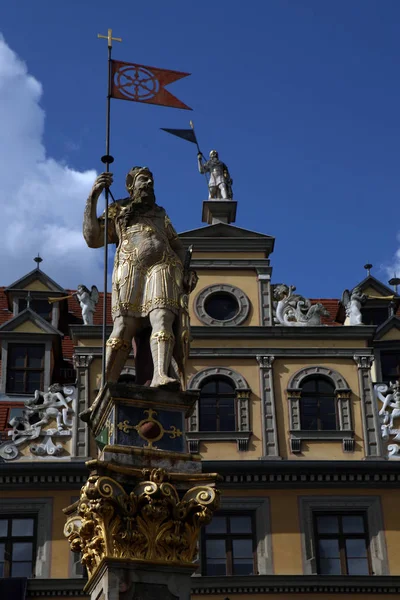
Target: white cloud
x,y
42,200
394,267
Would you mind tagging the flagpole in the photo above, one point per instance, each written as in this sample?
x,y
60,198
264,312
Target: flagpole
x,y
107,159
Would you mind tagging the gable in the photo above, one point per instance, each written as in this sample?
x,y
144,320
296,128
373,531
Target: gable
x,y
223,230
37,286
36,280
221,237
373,287
28,321
28,327
392,334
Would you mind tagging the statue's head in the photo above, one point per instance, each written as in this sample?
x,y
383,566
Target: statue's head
x,y
140,185
213,154
82,288
55,387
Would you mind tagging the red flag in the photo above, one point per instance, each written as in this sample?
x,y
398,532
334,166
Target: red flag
x,y
144,84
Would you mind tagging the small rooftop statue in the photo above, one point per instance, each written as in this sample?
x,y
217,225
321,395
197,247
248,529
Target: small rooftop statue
x,y
352,302
220,183
87,300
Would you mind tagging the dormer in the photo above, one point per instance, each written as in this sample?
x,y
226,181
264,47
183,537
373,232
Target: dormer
x,y
30,347
381,303
33,291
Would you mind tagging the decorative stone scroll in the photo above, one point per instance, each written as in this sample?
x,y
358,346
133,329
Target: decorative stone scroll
x,y
53,407
293,310
389,395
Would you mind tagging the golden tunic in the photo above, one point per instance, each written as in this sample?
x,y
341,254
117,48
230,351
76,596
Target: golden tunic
x,y
147,272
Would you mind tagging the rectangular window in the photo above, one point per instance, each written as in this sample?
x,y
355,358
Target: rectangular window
x,y
342,544
17,546
228,545
25,368
39,306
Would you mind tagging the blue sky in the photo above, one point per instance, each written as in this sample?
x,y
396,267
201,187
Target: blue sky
x,y
300,97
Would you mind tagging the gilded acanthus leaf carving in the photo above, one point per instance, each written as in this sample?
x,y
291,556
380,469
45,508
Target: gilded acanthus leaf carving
x,y
149,523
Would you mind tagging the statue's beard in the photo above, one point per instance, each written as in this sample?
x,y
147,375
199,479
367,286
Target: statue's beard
x,y
144,197
142,200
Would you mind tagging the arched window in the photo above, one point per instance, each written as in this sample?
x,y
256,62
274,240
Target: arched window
x,y
319,408
318,404
217,405
222,412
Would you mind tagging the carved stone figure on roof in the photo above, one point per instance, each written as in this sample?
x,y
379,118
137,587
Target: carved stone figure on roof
x,y
220,183
39,412
353,301
389,395
150,284
294,310
87,300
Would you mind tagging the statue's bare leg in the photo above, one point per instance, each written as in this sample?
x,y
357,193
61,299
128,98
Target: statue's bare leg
x,y
162,343
119,345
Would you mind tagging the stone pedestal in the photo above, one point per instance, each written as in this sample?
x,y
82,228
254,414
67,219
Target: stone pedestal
x,y
119,581
219,211
139,515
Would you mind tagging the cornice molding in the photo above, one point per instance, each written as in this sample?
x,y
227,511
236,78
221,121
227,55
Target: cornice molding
x,y
294,333
295,584
252,584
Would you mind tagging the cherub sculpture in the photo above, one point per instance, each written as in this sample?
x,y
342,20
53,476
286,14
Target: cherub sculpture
x,y
352,302
87,300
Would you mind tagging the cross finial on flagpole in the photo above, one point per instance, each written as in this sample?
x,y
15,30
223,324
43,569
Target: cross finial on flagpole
x,y
109,38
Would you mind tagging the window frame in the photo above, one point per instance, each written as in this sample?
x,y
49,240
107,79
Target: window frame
x,y
260,508
242,300
242,411
317,395
9,540
342,537
23,339
218,396
42,509
345,431
228,538
25,369
369,505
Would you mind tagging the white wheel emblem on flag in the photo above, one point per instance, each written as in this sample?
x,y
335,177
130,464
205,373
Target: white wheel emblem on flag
x,y
136,83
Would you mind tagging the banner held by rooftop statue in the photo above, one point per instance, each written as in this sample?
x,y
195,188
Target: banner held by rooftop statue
x,y
140,83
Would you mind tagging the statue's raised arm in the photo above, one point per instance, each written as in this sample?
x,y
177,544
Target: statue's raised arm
x,y
93,228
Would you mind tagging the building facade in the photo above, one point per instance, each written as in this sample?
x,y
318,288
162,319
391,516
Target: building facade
x,y
299,412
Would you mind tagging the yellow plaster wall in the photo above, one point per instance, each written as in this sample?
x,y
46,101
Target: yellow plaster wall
x,y
283,370
285,523
28,327
90,342
37,286
59,550
392,334
245,280
248,368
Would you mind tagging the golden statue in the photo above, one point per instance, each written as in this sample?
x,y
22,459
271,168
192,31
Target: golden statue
x,y
150,283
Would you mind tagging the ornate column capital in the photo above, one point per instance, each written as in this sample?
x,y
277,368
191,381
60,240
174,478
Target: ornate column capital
x,y
150,523
82,361
265,362
364,362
